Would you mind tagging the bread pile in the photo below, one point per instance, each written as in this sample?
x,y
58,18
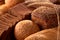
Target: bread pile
x,y
29,19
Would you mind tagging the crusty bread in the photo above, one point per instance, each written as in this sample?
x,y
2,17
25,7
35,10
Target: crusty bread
x,y
25,28
48,34
45,16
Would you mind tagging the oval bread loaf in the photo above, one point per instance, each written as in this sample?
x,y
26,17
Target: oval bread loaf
x,y
25,28
48,34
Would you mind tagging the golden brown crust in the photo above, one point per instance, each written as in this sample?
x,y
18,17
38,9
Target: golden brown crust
x,y
48,34
25,28
44,13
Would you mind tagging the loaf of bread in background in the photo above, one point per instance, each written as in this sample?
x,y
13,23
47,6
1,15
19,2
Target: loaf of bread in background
x,y
8,4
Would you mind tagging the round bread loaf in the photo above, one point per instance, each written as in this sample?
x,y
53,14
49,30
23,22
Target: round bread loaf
x,y
25,28
45,17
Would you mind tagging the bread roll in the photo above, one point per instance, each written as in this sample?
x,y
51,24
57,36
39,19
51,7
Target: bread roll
x,y
25,28
45,17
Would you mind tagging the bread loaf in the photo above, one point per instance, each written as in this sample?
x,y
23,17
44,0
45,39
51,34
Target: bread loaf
x,y
48,34
45,16
25,28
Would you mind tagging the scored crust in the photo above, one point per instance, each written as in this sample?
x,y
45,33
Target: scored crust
x,y
45,16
